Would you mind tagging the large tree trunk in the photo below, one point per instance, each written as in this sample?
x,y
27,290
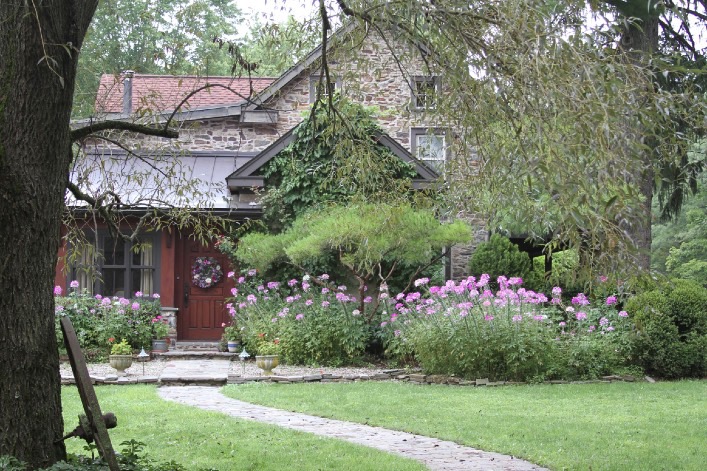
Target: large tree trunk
x,y
642,40
38,42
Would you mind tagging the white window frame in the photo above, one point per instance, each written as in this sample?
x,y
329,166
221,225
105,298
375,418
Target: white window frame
x,y
424,101
435,162
314,81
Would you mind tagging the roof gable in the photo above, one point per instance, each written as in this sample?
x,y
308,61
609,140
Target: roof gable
x,y
249,175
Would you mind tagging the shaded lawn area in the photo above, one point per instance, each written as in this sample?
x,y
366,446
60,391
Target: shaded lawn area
x,y
199,439
617,426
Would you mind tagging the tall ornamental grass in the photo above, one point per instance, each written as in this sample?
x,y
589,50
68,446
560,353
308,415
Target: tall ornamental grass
x,y
467,330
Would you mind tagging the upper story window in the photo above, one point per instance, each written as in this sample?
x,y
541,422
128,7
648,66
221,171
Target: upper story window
x,y
429,146
315,84
115,267
424,92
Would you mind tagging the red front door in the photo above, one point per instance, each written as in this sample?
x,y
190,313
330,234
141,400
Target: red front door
x,y
201,309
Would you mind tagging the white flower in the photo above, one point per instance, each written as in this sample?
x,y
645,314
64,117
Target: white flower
x,y
356,312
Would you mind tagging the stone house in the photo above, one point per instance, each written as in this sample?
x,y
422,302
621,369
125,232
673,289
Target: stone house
x,y
227,133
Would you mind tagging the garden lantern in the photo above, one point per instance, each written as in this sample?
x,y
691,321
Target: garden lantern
x,y
243,355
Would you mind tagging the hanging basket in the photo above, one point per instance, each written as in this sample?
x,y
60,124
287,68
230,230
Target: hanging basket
x,y
206,272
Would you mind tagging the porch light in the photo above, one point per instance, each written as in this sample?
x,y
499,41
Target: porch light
x,y
142,357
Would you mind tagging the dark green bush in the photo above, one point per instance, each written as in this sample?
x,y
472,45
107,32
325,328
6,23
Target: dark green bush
x,y
672,330
499,256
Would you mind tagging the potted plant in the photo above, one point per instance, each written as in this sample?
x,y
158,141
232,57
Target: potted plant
x,y
268,355
160,330
121,355
232,334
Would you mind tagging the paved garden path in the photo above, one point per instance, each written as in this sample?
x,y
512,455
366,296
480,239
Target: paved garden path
x,y
433,453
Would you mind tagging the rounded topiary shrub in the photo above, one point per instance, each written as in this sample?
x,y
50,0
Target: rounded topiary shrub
x,y
499,256
671,335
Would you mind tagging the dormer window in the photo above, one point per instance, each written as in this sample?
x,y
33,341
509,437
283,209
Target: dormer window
x,y
315,85
424,92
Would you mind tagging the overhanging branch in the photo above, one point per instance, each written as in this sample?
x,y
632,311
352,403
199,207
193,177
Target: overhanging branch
x,y
80,133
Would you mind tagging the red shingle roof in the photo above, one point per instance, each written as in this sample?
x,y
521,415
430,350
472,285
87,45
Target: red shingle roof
x,y
164,92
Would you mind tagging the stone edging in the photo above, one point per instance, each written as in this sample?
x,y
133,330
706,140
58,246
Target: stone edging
x,y
386,375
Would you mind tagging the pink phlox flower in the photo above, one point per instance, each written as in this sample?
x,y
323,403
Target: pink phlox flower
x,y
342,297
502,282
463,313
603,321
260,288
486,303
581,316
135,306
308,302
59,308
556,291
57,290
325,303
231,274
399,296
421,282
292,282
383,295
430,310
556,301
515,281
138,294
580,299
483,280
299,317
486,294
623,314
305,286
156,296
517,318
488,317
324,277
105,302
459,290
563,323
341,287
74,284
592,328
273,285
610,328
368,300
124,302
273,320
289,299
252,272
241,280
251,299
603,279
242,305
98,297
539,317
325,290
611,300
569,309
234,292
465,305
384,323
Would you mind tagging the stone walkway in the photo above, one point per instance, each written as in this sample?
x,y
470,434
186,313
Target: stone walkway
x,y
433,453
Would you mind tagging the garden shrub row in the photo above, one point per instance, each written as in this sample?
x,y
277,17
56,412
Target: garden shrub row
x,y
470,329
101,321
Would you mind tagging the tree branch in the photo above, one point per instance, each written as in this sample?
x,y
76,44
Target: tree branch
x,y
81,133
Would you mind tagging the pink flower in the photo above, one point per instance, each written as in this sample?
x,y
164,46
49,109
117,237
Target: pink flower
x,y
556,292
421,281
138,294
156,296
223,324
603,279
57,290
581,316
251,272
299,317
563,323
325,303
308,302
488,317
623,314
324,277
135,306
603,321
74,284
368,300
241,280
98,297
384,323
231,274
611,300
517,318
292,282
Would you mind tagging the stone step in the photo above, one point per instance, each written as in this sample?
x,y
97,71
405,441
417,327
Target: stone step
x,y
195,355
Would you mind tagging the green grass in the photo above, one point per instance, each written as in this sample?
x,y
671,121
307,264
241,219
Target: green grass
x,y
618,426
201,439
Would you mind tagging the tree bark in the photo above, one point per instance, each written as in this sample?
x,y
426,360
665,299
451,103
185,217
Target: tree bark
x,y
38,57
641,40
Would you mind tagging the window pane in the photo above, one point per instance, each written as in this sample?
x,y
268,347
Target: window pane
x,y
142,279
430,147
114,282
425,93
113,251
143,257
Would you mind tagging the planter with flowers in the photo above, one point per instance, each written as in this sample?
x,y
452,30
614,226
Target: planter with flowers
x,y
268,356
121,356
160,330
232,334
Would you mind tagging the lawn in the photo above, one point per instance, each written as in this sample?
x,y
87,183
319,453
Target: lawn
x,y
618,426
199,439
